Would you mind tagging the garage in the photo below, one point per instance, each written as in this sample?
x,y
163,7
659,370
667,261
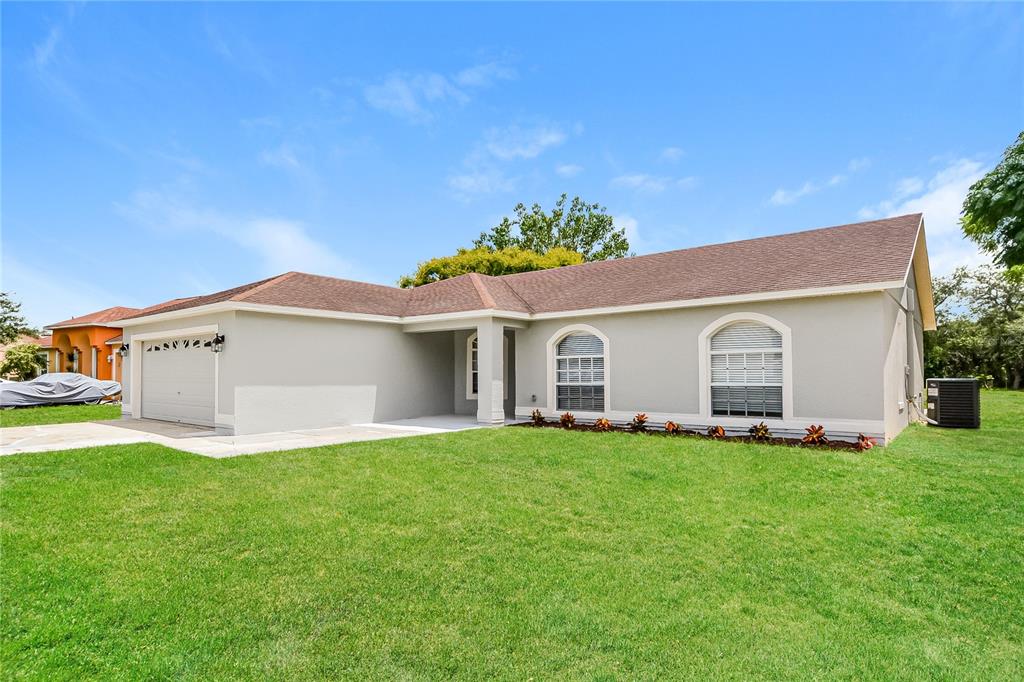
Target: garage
x,y
179,380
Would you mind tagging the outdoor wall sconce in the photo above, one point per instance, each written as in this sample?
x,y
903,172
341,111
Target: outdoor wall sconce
x,y
217,345
123,350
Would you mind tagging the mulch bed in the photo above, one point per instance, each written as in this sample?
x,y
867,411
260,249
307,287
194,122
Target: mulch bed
x,y
790,442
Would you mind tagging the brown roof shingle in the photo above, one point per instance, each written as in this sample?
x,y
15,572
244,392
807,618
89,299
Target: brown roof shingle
x,y
100,317
861,253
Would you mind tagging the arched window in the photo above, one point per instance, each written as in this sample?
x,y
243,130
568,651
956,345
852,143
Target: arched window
x,y
746,371
580,373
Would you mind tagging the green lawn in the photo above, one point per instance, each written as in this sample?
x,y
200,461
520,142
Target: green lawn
x,y
58,414
520,553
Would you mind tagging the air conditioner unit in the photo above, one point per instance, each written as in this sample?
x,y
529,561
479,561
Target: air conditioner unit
x,y
954,403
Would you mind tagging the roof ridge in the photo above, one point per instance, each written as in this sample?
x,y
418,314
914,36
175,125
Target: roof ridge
x,y
481,290
515,293
263,285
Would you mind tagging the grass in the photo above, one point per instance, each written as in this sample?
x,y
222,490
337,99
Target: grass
x,y
58,414
522,553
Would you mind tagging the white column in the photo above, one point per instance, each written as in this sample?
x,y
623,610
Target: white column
x,y
92,369
490,408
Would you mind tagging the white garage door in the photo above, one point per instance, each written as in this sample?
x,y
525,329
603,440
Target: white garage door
x,y
178,380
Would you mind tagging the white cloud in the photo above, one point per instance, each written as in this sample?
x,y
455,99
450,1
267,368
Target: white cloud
x,y
672,154
412,96
514,142
786,197
940,200
568,170
632,228
43,52
481,181
652,184
282,157
281,244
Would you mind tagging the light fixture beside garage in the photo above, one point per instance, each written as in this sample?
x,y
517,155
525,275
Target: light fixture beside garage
x,y
123,350
218,343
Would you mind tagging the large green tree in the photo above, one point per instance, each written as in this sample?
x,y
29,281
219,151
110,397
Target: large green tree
x,y
489,262
23,360
584,228
980,315
993,212
12,322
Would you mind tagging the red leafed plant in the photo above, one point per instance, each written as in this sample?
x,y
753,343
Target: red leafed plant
x,y
760,431
865,442
567,420
602,424
639,422
672,428
537,417
716,432
815,435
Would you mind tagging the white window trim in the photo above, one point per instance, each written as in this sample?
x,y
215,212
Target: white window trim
x,y
552,347
470,395
704,361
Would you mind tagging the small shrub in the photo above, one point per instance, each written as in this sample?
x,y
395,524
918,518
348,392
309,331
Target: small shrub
x,y
672,428
639,422
567,420
716,432
760,431
815,435
537,417
865,442
602,424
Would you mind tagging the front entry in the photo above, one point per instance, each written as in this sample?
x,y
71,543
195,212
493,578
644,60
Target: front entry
x,y
178,380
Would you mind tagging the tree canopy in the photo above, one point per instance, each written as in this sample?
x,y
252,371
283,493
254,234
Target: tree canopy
x,y
993,212
12,322
504,261
980,316
22,360
584,228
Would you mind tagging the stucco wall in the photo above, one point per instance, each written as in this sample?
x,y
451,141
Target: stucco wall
x,y
464,405
654,361
903,339
306,372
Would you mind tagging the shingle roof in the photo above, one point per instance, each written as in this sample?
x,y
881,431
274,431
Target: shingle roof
x,y
100,317
860,253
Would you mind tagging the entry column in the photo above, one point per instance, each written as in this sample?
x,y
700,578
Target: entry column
x,y
490,408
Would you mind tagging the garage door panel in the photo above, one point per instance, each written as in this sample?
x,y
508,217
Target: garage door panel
x,y
178,380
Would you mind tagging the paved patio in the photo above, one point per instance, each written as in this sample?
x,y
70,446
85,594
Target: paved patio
x,y
49,437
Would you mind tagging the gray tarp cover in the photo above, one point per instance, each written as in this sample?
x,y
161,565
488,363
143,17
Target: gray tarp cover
x,y
56,389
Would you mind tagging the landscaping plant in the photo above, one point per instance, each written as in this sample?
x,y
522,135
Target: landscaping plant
x,y
672,428
760,431
865,442
537,417
815,435
602,424
716,432
567,420
639,422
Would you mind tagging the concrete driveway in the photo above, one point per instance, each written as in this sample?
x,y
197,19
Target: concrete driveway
x,y
194,439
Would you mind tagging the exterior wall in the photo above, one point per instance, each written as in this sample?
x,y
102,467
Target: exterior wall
x,y
464,405
654,362
83,340
337,373
903,340
229,369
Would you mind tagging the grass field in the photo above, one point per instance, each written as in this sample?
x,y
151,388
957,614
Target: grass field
x,y
58,414
519,553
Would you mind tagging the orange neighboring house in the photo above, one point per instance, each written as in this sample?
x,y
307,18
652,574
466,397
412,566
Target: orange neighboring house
x,y
88,344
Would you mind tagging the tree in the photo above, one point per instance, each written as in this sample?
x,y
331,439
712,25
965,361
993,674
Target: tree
x,y
993,212
584,228
23,360
12,323
980,315
503,261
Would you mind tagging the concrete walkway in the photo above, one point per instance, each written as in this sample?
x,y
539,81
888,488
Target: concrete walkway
x,y
197,440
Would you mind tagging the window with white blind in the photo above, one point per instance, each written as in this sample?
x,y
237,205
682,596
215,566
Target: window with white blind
x,y
746,371
580,373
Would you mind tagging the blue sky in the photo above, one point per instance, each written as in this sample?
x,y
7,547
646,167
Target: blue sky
x,y
159,150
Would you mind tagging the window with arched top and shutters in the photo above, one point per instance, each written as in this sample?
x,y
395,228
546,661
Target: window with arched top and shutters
x,y
746,371
580,363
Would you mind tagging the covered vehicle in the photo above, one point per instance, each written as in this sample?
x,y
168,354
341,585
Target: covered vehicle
x,y
62,388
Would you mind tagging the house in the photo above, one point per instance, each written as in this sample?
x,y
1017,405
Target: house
x,y
823,326
88,343
42,341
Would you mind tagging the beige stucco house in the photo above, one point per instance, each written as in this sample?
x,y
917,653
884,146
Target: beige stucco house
x,y
823,326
